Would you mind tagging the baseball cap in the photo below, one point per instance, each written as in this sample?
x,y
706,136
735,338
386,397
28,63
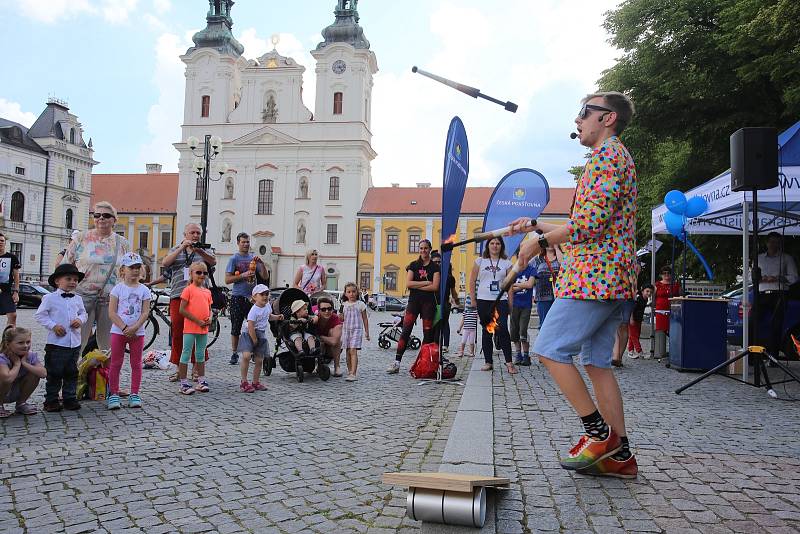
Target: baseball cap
x,y
260,288
131,258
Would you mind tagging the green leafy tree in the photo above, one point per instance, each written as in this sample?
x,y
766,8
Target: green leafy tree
x,y
698,70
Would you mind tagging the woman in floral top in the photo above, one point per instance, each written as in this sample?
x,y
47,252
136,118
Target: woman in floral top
x,y
97,253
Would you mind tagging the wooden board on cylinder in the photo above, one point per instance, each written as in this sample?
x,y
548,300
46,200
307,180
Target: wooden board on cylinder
x,y
443,481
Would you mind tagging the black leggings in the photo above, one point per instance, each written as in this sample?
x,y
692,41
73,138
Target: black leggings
x,y
485,308
427,310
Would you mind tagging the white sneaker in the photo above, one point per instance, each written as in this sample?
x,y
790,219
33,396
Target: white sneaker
x,y
394,368
633,355
645,355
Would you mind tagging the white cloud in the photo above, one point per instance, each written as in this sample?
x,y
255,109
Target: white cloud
x,y
51,11
166,116
13,111
513,58
117,11
162,6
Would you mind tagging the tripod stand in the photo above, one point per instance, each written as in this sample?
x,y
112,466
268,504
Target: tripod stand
x,y
758,353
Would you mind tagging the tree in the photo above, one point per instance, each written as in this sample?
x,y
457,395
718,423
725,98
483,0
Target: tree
x,y
698,70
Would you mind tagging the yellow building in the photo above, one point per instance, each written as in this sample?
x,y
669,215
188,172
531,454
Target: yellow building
x,y
146,207
393,220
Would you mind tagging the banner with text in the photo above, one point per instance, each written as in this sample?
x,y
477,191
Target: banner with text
x,y
520,193
456,170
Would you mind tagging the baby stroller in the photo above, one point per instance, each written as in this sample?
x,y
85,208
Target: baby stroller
x,y
291,360
392,330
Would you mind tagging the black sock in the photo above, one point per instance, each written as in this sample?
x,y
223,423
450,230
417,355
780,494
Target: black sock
x,y
595,426
625,452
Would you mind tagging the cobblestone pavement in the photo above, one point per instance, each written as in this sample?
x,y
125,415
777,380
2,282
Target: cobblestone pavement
x,y
296,458
721,457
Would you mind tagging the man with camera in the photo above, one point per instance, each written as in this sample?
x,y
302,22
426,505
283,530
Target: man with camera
x,y
176,265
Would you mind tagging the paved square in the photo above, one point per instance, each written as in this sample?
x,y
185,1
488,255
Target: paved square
x,y
308,457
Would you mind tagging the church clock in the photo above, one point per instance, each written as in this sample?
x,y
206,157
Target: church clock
x,y
339,66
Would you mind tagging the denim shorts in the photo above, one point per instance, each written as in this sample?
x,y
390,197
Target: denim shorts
x,y
580,327
627,310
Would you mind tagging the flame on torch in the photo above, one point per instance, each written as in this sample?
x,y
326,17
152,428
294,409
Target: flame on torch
x,y
796,344
451,239
492,326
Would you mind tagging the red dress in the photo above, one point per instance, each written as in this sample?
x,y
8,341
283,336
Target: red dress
x,y
663,293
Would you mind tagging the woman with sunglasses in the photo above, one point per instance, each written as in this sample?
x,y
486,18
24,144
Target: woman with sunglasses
x,y
311,276
97,253
423,283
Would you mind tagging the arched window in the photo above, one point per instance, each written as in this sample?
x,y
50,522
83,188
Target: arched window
x,y
68,219
337,103
205,106
333,191
17,206
198,188
72,135
265,190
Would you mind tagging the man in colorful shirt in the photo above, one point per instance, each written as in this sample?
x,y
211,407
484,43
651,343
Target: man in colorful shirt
x,y
597,276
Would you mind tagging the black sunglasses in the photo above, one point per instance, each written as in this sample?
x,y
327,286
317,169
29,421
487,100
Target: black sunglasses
x,y
584,112
103,215
325,309
204,273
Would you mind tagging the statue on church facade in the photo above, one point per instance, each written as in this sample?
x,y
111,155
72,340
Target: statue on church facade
x,y
226,230
303,187
270,114
229,187
301,232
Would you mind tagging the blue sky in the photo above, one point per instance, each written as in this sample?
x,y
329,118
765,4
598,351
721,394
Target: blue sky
x,y
116,63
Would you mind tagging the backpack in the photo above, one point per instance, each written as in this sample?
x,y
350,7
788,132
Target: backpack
x,y
427,362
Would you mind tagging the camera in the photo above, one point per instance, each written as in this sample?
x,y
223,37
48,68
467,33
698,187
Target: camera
x,y
202,246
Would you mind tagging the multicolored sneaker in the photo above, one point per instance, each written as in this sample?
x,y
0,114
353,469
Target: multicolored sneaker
x,y
258,386
245,387
609,467
588,451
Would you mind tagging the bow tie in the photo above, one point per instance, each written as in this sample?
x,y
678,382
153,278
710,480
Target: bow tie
x,y
67,295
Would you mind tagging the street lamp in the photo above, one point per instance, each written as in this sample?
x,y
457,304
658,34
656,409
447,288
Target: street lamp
x,y
212,146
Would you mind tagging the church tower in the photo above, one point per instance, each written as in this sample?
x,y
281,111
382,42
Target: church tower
x,y
345,66
213,67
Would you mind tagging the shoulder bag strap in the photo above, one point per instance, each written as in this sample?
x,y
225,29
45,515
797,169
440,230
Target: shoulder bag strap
x,y
310,277
113,263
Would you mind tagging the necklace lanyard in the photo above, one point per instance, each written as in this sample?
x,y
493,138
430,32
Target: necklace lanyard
x,y
494,272
549,267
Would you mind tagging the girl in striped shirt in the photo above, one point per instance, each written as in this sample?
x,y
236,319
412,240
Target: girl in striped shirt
x,y
468,328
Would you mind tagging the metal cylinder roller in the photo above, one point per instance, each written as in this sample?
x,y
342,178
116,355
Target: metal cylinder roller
x,y
447,507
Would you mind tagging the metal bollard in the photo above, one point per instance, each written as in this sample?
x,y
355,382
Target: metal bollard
x,y
447,507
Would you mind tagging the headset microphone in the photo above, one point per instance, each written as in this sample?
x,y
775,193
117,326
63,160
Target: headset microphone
x,y
573,135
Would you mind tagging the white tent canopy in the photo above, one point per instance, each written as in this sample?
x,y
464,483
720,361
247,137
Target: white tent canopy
x,y
778,210
725,207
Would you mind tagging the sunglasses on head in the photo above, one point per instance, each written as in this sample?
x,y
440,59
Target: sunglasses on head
x,y
103,215
325,309
587,108
204,273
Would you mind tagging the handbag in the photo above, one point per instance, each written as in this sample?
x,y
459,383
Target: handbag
x,y
218,299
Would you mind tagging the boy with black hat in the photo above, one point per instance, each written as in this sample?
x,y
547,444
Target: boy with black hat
x,y
63,315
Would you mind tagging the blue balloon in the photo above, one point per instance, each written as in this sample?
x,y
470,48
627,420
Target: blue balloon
x,y
674,223
675,202
696,206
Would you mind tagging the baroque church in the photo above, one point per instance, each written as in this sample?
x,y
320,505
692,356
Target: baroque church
x,y
296,177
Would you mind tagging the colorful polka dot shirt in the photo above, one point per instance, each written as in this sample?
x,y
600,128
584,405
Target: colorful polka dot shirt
x,y
601,252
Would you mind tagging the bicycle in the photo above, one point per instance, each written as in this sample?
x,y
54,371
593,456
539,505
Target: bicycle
x,y
161,310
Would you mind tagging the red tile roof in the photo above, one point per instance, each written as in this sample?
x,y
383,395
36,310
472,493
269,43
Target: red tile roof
x,y
137,193
428,201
